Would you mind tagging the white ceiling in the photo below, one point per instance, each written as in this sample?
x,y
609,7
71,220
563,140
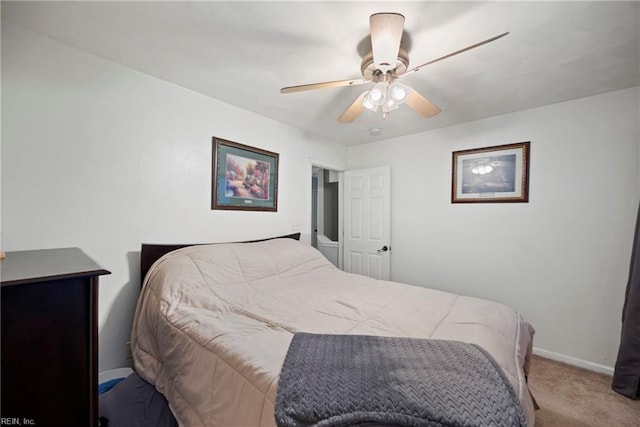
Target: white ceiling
x,y
242,53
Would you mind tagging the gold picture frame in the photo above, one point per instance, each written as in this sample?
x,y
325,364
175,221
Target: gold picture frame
x,y
497,174
243,177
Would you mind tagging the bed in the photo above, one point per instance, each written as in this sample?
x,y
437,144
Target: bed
x,y
214,323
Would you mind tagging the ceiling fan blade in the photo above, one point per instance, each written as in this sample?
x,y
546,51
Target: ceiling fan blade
x,y
353,111
386,34
336,83
421,104
413,70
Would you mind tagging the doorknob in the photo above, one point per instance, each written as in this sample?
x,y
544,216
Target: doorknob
x,y
385,248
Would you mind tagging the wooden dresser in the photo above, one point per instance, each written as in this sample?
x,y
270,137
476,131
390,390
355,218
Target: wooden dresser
x,y
49,333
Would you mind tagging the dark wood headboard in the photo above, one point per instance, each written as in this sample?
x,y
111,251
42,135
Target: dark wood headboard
x,y
151,252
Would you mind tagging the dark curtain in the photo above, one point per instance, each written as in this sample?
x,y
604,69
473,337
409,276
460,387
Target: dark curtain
x,y
626,378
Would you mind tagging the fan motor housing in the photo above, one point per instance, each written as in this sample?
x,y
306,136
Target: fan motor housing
x,y
371,72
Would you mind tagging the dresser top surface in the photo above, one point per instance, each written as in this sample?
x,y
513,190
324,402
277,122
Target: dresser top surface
x,y
21,267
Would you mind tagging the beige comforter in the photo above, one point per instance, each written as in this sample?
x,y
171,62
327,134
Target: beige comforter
x,y
213,324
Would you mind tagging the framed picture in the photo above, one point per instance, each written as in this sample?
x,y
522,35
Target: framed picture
x,y
243,178
491,174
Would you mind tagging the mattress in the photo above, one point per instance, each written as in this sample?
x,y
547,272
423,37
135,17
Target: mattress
x,y
213,325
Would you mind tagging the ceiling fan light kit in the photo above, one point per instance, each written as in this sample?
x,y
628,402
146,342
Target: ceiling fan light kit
x,y
385,95
399,92
377,94
386,63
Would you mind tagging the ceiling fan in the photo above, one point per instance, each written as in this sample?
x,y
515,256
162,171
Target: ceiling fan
x,y
383,66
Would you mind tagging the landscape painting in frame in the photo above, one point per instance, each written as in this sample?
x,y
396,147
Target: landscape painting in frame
x,y
244,177
491,174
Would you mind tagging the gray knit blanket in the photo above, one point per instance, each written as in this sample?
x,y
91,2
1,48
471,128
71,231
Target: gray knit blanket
x,y
342,380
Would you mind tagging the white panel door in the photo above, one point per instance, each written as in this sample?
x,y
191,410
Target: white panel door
x,y
367,222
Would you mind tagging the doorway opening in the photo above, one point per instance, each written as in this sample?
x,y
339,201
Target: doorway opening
x,y
325,213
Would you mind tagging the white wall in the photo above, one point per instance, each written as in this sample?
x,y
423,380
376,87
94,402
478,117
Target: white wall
x,y
101,157
563,258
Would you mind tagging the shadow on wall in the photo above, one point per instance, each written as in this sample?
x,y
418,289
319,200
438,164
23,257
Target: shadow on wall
x,y
115,334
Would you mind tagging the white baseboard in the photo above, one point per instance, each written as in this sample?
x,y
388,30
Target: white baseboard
x,y
602,369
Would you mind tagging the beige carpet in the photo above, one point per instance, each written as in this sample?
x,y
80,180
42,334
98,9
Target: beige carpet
x,y
571,397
